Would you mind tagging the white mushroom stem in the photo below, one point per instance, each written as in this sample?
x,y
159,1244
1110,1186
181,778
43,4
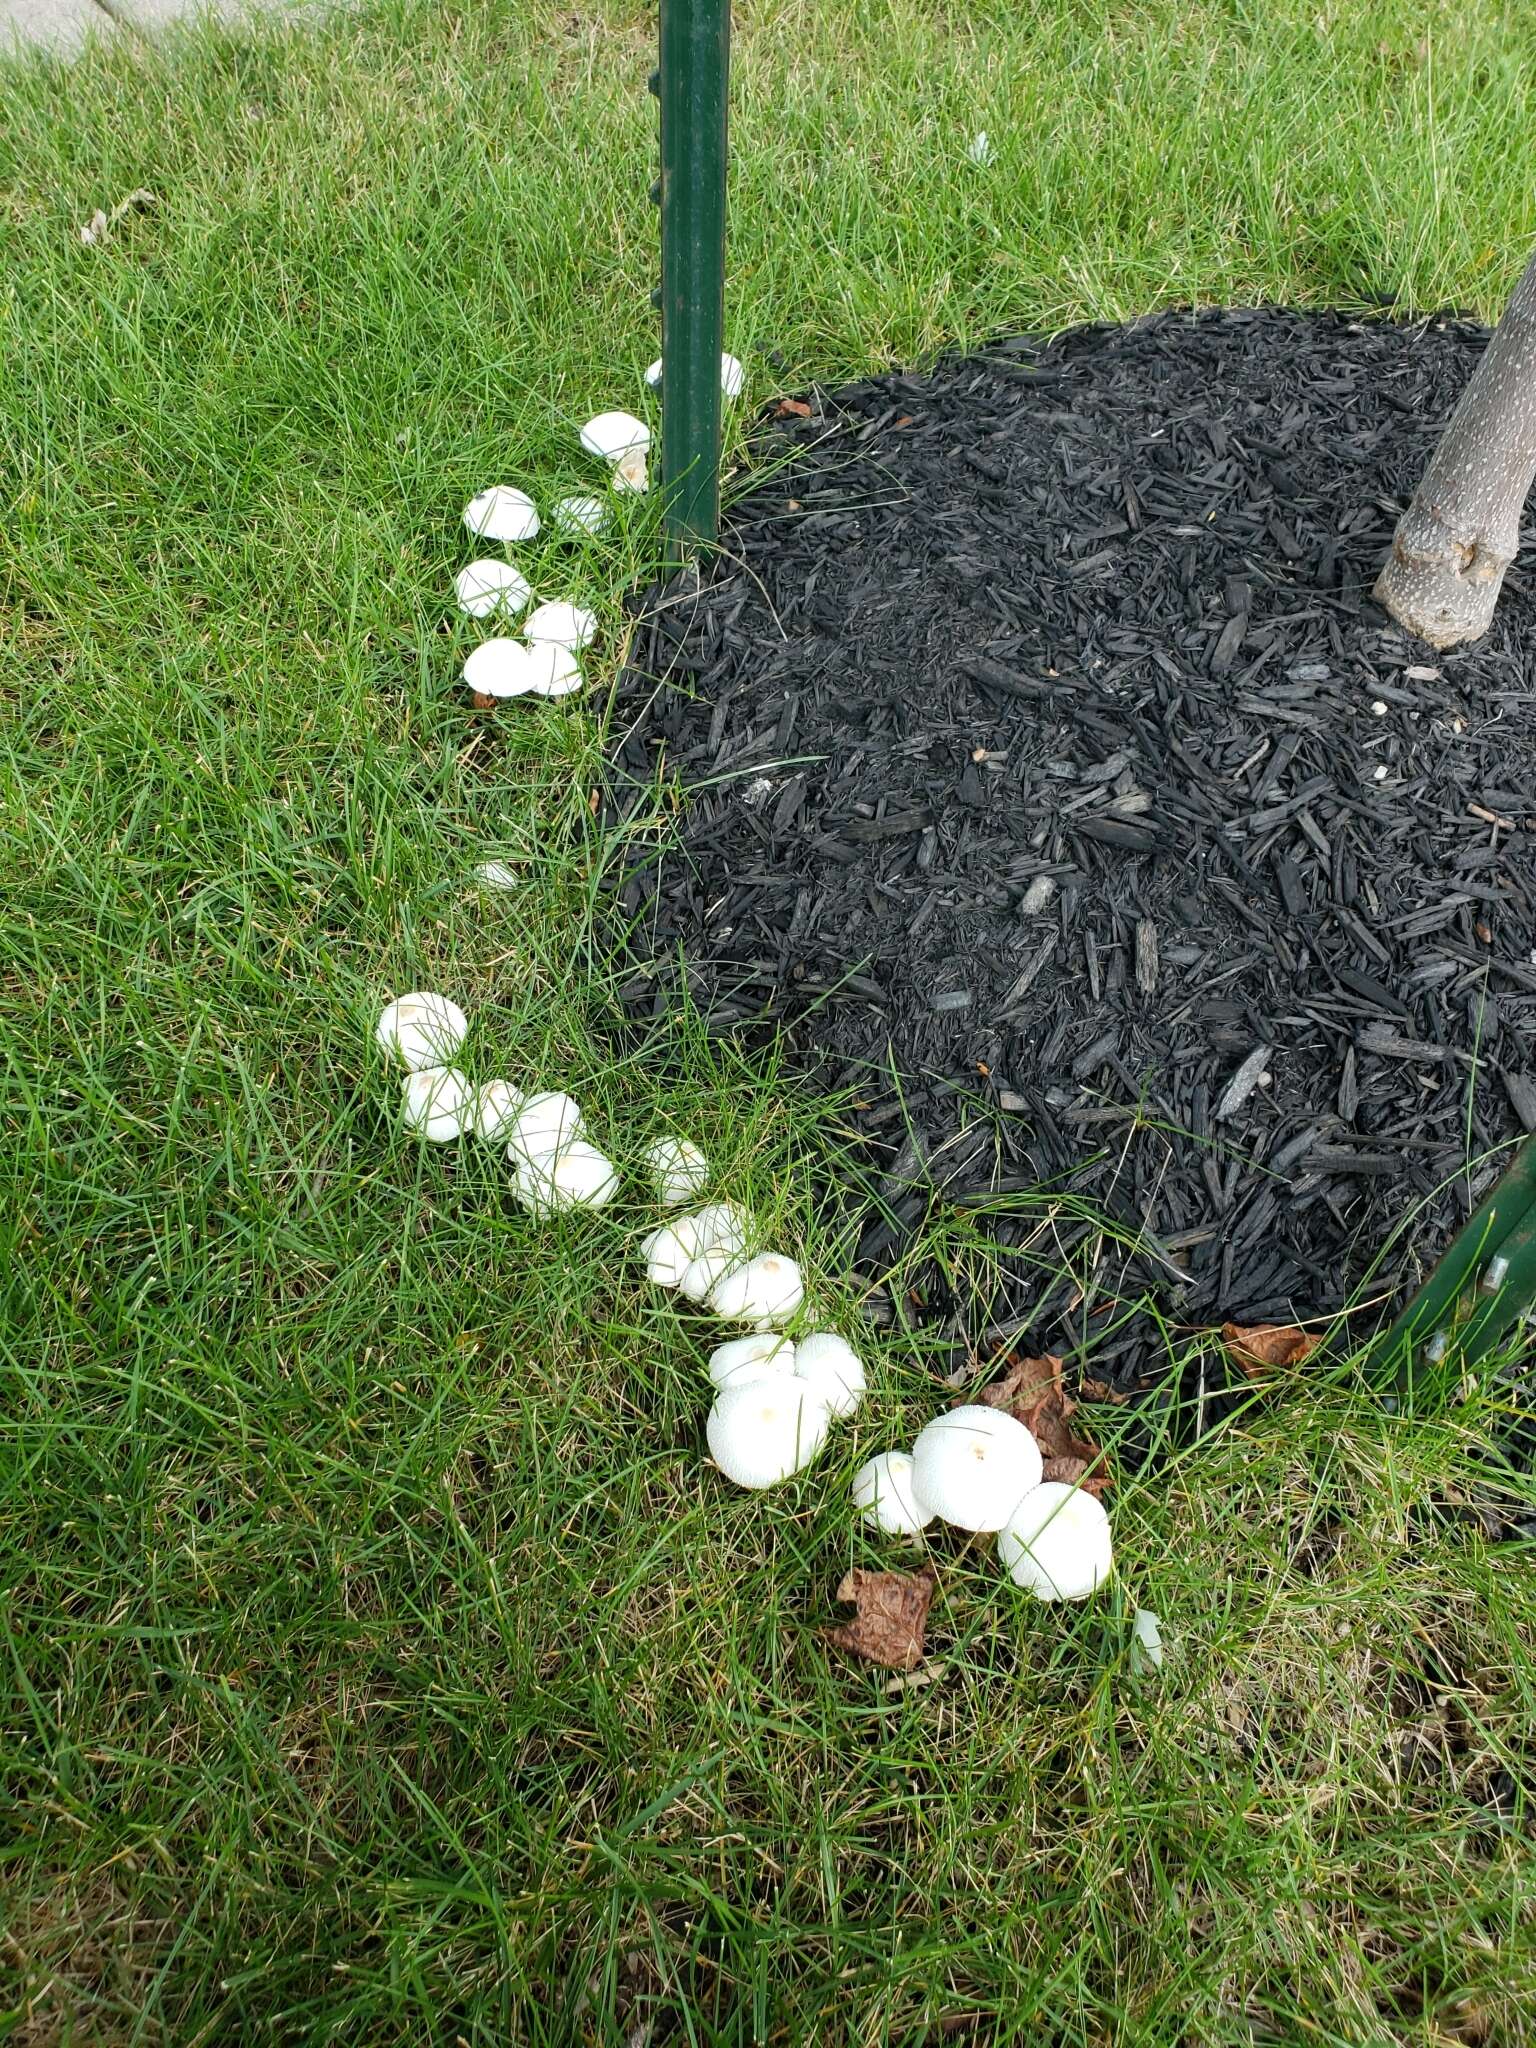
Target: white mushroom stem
x,y
629,472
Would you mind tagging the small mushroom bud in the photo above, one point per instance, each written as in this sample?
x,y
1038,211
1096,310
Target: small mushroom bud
x,y
765,1292
502,513
578,515
833,1369
619,438
974,1465
764,1432
884,1495
705,1271
437,1103
497,1107
545,1124
678,1168
1056,1544
758,1357
422,1029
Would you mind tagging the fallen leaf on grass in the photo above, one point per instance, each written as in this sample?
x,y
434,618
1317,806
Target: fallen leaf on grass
x,y
890,1617
792,409
1101,1390
482,702
100,224
1259,1347
1031,1391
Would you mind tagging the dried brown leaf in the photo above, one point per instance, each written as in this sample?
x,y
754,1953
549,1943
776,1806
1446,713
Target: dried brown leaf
x,y
482,702
1031,1390
890,1617
792,409
1260,1347
1100,1390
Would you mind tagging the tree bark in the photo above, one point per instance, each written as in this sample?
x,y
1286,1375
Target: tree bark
x,y
1462,530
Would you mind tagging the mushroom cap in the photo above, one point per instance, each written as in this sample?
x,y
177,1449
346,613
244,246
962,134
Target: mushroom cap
x,y
437,1103
579,514
764,1292
487,587
1056,1543
721,1225
546,1124
762,1356
497,1107
578,1176
830,1365
562,624
613,435
678,1168
501,668
422,1029
502,513
763,1432
974,1465
885,1497
556,670
495,874
707,1269
669,1251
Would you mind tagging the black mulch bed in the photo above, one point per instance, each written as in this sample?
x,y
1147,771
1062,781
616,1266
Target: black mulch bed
x,y
1044,749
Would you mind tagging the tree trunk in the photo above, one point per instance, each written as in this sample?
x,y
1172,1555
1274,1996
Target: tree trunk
x,y
1462,530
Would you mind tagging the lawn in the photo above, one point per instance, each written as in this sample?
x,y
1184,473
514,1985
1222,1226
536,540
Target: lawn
x,y
382,1661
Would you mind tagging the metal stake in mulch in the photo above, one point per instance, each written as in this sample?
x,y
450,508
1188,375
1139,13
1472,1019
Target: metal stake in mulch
x,y
1484,1282
691,85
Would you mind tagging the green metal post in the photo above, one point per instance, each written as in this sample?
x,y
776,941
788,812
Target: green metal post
x,y
691,84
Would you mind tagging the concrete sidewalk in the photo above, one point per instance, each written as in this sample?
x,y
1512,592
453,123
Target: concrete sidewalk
x,y
64,25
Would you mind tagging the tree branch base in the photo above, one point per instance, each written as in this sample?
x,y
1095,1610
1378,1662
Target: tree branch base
x,y
1445,596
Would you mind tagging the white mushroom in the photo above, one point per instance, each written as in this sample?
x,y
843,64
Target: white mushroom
x,y
765,1292
669,1251
723,1225
562,625
546,1124
422,1029
497,1107
762,1433
707,1269
619,438
833,1369
732,375
578,1176
556,670
1056,1543
974,1465
762,1356
437,1103
678,1168
884,1495
502,513
495,874
487,587
579,515
502,668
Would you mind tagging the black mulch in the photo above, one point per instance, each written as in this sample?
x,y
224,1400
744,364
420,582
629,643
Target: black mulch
x,y
1043,747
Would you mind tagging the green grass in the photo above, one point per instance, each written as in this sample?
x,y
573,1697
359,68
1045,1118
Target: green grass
x,y
382,1663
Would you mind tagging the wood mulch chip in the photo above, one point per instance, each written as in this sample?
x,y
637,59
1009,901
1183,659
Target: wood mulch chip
x,y
1035,744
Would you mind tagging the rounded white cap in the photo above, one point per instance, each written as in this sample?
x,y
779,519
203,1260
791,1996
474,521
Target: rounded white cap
x,y
745,1359
545,1124
579,514
497,1107
422,1029
884,1495
974,1465
1057,1544
495,874
555,669
501,668
765,1292
678,1168
762,1433
613,435
502,513
437,1103
487,587
578,1176
707,1269
833,1369
563,625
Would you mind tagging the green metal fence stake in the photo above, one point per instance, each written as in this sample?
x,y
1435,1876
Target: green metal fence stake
x,y
695,63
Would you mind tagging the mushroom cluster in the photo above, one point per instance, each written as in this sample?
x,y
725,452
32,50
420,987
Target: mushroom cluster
x,y
776,1398
979,1469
